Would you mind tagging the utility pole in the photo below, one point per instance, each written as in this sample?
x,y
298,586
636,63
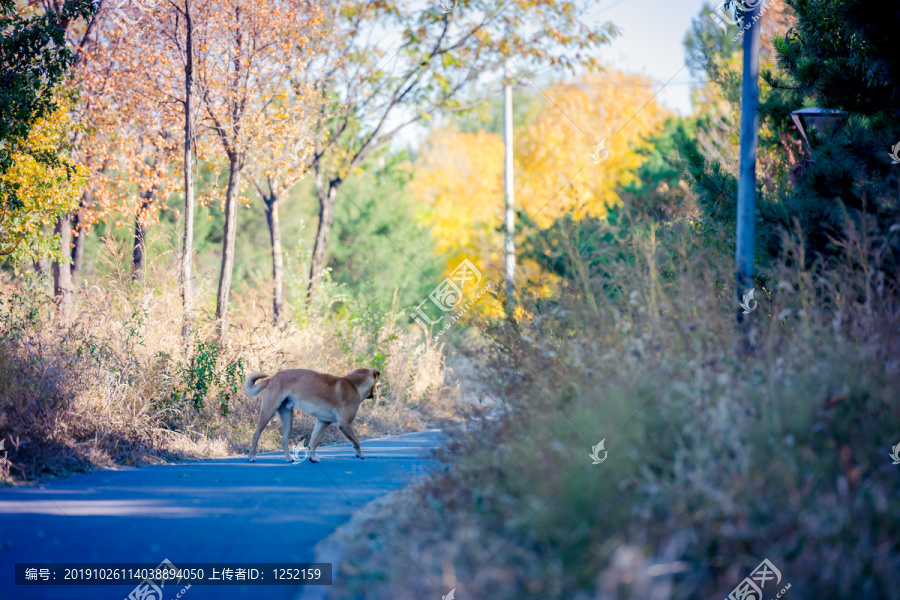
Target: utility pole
x,y
746,207
508,185
187,247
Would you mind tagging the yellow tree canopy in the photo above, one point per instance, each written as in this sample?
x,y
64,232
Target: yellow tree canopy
x,y
459,176
46,189
459,179
580,146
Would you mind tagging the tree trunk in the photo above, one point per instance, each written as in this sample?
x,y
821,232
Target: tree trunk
x,y
277,258
78,247
509,192
327,193
234,178
62,272
43,263
138,253
79,232
187,295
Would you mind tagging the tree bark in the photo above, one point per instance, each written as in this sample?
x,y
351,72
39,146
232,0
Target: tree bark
x,y
138,252
327,193
78,247
187,244
62,272
277,258
79,232
234,178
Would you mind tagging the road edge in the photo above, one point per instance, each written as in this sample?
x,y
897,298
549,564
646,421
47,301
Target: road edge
x,y
331,549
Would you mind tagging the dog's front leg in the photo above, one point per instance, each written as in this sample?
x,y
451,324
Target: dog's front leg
x,y
347,430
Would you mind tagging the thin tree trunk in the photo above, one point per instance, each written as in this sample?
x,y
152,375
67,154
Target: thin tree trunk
x,y
62,272
79,232
327,194
138,253
78,246
234,178
43,263
187,295
509,191
277,258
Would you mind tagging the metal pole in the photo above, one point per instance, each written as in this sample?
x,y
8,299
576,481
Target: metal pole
x,y
508,185
746,208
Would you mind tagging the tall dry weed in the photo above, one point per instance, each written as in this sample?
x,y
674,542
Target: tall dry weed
x,y
719,451
119,384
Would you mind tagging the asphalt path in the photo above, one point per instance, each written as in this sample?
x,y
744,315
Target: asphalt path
x,y
213,511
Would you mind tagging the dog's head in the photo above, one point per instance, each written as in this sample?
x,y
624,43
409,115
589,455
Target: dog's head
x,y
375,373
365,380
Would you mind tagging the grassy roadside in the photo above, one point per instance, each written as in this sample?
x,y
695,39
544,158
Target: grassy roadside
x,y
723,450
119,385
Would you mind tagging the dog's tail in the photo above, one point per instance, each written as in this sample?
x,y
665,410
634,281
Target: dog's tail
x,y
256,383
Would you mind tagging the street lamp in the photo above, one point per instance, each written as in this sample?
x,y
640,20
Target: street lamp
x,y
825,122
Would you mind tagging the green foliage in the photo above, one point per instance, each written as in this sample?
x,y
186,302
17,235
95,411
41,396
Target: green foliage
x,y
205,372
377,244
836,56
362,331
656,188
34,60
708,48
841,55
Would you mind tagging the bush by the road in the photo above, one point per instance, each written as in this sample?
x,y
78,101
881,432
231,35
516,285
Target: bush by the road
x,y
724,448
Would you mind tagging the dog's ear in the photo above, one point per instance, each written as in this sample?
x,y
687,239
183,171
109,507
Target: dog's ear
x,y
377,373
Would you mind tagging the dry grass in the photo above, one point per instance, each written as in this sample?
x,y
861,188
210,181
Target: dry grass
x,y
722,451
119,385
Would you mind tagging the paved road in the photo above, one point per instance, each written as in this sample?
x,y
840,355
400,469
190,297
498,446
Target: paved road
x,y
221,510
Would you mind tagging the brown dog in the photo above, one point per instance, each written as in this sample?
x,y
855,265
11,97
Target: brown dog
x,y
328,398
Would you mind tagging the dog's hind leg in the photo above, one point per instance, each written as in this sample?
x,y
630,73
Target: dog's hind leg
x,y
318,430
266,412
286,415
